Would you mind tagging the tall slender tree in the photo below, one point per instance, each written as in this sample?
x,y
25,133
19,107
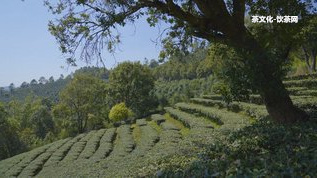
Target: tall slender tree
x,y
11,88
1,91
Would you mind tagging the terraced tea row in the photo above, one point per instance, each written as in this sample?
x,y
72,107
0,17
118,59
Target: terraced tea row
x,y
59,155
311,83
16,170
105,145
97,146
253,110
124,143
170,135
149,137
92,145
105,150
189,120
37,164
77,148
56,154
223,116
14,166
300,77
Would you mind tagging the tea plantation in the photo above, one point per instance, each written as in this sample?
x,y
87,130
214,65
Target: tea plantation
x,y
202,138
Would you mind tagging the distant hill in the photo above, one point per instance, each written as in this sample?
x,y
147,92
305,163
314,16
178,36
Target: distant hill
x,y
6,88
48,89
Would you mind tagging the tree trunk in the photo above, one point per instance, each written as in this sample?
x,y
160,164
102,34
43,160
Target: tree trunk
x,y
278,103
313,58
270,86
307,58
79,122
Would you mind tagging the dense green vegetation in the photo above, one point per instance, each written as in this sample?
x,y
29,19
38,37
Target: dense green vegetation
x,y
217,103
82,104
132,84
190,66
84,100
49,90
205,136
253,56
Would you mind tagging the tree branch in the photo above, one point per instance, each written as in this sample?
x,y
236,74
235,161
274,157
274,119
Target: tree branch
x,y
199,23
238,11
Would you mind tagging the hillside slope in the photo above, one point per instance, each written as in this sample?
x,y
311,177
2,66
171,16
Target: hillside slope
x,y
184,142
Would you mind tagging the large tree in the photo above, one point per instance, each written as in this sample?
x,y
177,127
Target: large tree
x,y
10,143
93,24
42,121
131,83
83,98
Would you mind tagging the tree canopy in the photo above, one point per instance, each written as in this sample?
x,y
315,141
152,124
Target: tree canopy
x,y
92,23
264,48
84,98
131,83
308,44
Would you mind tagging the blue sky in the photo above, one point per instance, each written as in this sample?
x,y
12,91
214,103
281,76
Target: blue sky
x,y
28,51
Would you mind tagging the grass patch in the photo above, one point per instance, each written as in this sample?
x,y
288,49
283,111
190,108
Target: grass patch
x,y
136,132
154,125
214,124
184,130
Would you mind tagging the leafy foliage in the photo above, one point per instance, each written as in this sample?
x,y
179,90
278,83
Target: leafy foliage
x,y
132,83
120,112
82,101
169,93
10,143
231,71
191,66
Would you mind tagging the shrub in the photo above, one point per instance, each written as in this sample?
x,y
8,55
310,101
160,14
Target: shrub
x,y
223,90
120,112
